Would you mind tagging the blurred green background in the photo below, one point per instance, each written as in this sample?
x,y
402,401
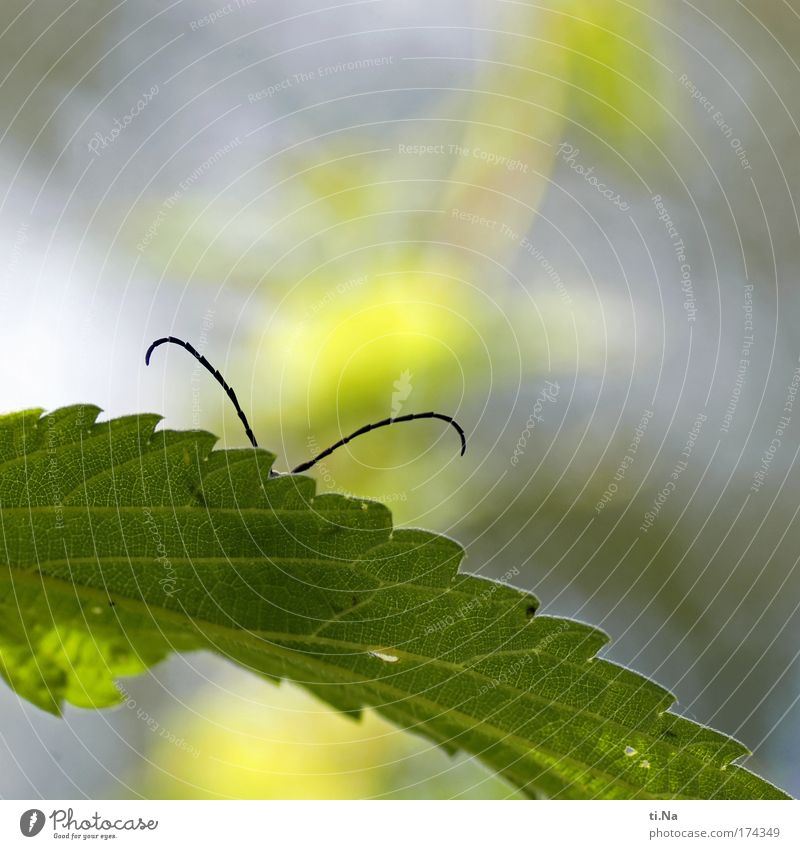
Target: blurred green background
x,y
388,206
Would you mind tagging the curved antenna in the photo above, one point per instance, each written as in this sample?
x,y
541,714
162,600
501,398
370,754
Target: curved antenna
x,y
385,423
215,372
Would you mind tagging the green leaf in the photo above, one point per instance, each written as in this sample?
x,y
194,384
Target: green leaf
x,y
122,544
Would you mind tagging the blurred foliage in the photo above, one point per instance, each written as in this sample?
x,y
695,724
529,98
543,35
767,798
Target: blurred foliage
x,y
619,90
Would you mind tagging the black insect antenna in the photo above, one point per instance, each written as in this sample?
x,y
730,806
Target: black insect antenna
x,y
328,451
215,372
385,423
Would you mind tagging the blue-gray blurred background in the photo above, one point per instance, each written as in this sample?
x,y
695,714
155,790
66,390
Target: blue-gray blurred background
x,y
467,205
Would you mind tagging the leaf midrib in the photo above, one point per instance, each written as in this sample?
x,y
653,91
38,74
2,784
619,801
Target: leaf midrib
x,y
277,642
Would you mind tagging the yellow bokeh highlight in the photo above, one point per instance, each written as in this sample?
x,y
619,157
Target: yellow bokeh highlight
x,y
265,742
